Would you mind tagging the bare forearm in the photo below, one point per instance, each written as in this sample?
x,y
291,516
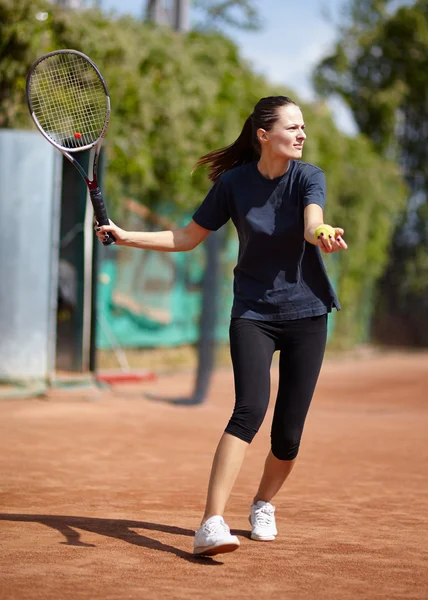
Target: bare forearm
x,y
173,240
163,241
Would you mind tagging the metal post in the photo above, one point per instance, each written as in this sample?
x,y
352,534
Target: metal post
x,y
155,12
181,15
174,13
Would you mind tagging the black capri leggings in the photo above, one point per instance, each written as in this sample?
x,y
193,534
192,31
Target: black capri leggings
x,y
301,344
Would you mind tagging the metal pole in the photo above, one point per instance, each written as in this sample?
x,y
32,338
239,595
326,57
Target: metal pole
x,y
181,15
207,324
154,11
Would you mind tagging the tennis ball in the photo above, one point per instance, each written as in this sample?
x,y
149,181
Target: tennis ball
x,y
326,230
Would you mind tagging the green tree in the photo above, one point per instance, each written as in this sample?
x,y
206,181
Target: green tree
x,y
23,33
241,14
365,192
380,68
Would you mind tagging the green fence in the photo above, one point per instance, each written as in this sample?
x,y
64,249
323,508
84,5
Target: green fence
x,y
150,299
154,299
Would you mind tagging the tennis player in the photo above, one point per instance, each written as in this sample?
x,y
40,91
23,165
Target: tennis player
x,y
282,297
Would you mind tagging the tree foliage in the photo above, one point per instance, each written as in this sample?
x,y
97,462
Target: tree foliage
x,y
380,68
174,98
365,193
22,35
241,14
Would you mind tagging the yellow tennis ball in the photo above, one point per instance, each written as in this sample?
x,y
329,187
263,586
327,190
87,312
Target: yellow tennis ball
x,y
326,230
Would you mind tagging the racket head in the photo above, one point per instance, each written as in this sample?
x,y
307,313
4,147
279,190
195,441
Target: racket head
x,y
68,100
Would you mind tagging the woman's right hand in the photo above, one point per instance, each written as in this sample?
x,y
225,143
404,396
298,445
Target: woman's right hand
x,y
332,244
120,235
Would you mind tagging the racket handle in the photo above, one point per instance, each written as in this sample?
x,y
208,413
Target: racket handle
x,y
101,213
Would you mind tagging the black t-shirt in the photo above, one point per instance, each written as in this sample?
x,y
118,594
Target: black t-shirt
x,y
278,276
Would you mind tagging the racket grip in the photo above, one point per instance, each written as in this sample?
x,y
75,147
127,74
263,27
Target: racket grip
x,y
101,213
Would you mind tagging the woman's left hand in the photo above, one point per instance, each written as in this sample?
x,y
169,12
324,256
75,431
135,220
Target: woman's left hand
x,y
332,244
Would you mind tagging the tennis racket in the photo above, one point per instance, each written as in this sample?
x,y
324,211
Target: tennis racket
x,y
69,103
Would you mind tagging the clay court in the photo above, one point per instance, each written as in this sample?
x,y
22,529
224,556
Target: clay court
x,y
101,492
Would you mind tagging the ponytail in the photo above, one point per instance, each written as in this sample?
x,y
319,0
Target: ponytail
x,y
241,152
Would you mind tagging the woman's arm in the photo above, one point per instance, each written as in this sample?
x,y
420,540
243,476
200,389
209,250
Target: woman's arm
x,y
175,240
314,217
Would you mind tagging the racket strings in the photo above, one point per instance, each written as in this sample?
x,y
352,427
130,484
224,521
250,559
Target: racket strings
x,y
69,100
79,102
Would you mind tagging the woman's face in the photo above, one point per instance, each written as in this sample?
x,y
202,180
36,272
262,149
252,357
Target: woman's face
x,y
287,136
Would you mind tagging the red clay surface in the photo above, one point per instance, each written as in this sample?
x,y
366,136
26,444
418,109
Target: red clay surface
x,y
101,492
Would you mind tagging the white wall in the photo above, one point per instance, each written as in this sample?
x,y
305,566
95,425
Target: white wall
x,y
30,180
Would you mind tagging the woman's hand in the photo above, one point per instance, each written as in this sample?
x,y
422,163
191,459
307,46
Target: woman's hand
x,y
120,235
328,239
330,244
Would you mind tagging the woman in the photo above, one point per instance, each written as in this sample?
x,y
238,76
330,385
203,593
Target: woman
x,y
282,296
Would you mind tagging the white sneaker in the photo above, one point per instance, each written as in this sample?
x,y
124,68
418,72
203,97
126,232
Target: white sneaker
x,y
213,537
262,519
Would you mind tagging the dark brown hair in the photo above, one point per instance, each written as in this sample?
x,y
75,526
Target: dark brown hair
x,y
246,148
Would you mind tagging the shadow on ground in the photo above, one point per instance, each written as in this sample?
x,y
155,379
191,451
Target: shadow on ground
x,y
116,528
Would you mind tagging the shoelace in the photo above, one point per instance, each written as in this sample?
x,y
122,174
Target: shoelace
x,y
264,515
217,527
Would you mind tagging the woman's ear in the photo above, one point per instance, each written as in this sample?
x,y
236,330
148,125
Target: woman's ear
x,y
262,135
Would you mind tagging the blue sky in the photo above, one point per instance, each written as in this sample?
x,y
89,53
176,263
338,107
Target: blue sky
x,y
295,36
